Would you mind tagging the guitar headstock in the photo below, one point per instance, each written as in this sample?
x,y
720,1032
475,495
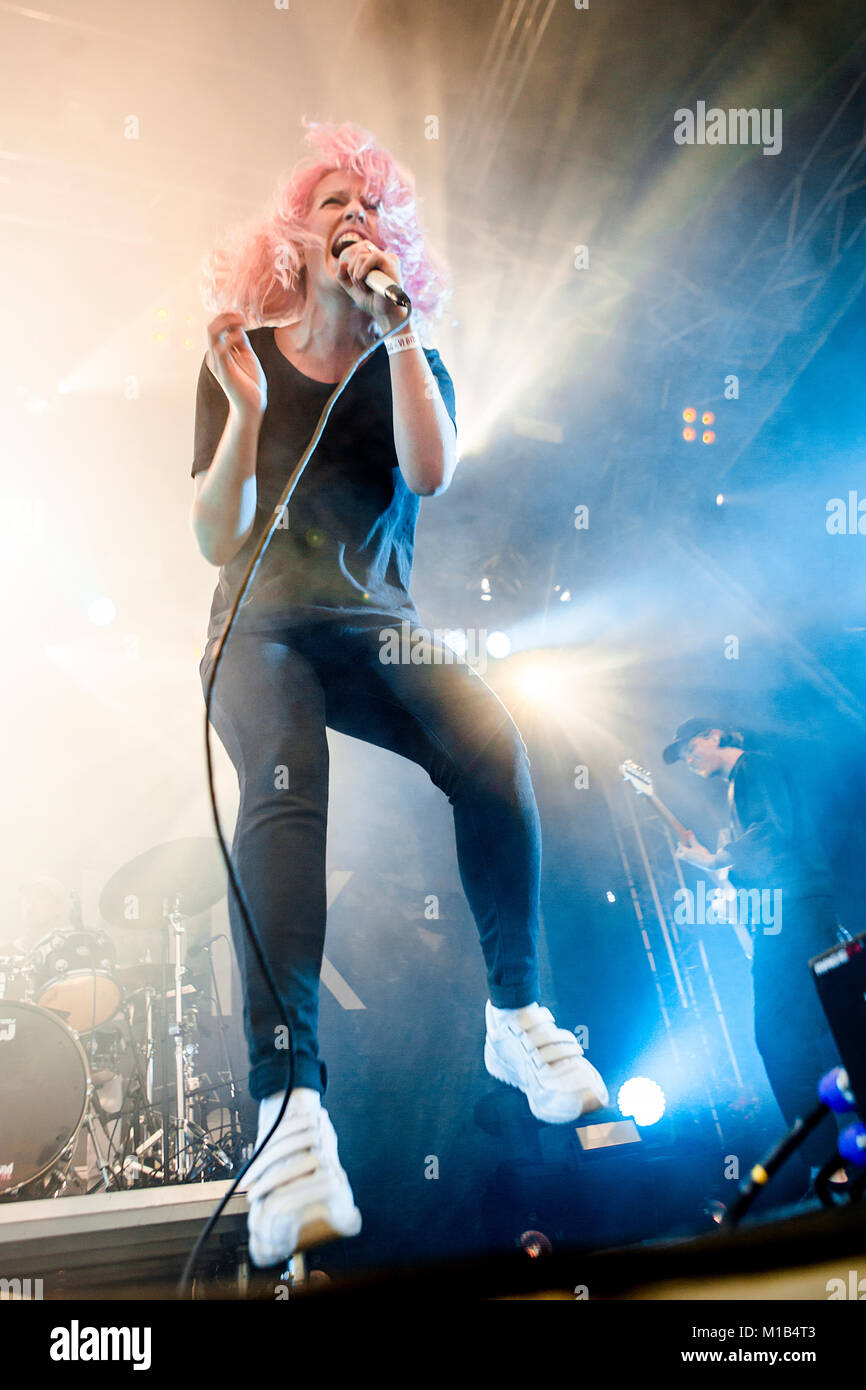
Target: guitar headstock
x,y
638,776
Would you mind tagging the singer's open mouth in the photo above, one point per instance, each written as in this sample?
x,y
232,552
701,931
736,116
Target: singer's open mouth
x,y
345,239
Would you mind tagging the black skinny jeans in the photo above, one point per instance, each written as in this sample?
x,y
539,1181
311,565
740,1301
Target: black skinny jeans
x,y
274,696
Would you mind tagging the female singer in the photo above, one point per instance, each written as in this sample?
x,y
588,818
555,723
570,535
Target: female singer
x,y
305,652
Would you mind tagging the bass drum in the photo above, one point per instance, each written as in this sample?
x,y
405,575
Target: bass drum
x,y
73,975
44,1085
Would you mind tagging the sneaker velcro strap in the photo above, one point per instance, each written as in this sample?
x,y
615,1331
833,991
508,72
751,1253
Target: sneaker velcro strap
x,y
545,1033
296,1143
554,1052
299,1189
280,1169
277,1219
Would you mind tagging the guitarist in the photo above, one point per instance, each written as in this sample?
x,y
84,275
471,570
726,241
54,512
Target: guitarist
x,y
772,846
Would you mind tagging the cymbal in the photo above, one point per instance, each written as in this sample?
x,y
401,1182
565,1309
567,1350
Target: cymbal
x,y
136,896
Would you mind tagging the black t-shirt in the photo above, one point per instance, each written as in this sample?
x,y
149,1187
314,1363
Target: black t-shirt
x,y
345,545
775,842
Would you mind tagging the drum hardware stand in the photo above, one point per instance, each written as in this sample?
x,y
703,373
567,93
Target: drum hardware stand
x,y
221,1029
134,1118
149,1049
92,1106
143,1117
227,1078
147,1085
177,1030
193,871
203,1139
132,1162
189,1135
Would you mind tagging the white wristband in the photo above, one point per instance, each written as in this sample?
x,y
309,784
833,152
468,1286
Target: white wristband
x,y
401,343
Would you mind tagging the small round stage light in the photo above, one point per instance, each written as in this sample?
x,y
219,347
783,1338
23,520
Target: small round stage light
x,y
689,414
689,434
611,897
535,1244
642,1099
101,611
708,418
720,499
708,436
498,644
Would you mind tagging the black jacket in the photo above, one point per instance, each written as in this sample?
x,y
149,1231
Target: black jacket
x,y
774,844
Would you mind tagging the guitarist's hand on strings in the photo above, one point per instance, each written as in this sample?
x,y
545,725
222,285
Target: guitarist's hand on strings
x,y
692,852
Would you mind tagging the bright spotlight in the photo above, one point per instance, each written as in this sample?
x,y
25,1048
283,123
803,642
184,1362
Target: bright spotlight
x,y
101,611
540,683
720,499
611,897
498,644
456,639
642,1099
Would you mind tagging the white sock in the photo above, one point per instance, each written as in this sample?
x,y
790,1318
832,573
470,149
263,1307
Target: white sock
x,y
509,1013
303,1098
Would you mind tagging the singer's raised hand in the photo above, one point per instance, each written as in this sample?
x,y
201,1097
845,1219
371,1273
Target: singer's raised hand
x,y
355,263
235,365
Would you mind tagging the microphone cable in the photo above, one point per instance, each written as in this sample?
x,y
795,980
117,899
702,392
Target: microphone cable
x,y
184,1283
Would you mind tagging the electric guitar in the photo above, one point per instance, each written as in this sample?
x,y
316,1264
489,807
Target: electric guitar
x,y
642,782
723,890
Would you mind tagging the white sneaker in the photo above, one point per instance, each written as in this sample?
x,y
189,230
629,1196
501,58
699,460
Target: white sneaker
x,y
297,1191
525,1048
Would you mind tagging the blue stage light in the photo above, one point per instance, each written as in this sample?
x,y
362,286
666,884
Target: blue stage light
x,y
642,1099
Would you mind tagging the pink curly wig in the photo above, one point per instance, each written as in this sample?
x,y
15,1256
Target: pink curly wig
x,y
258,269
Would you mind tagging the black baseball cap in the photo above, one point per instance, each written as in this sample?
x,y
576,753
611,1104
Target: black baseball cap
x,y
686,732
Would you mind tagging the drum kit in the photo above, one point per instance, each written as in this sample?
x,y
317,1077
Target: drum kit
x,y
98,1083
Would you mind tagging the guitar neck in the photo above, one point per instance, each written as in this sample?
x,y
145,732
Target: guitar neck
x,y
717,876
642,784
678,828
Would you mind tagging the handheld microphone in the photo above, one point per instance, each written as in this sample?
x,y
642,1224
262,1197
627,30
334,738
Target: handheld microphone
x,y
382,284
